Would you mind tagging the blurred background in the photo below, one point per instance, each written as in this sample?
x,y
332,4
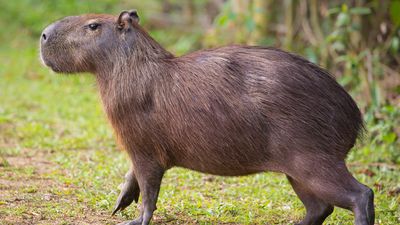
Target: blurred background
x,y
60,119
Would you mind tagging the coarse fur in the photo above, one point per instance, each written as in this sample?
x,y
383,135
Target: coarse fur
x,y
233,110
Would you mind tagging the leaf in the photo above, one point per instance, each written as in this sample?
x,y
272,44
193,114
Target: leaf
x,y
222,20
345,80
344,8
342,19
389,137
338,46
334,36
394,45
360,11
333,11
389,108
394,11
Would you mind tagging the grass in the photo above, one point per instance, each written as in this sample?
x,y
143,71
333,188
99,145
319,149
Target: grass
x,y
59,163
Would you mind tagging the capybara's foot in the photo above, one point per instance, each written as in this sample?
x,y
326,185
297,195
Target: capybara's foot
x,y
137,221
130,191
364,206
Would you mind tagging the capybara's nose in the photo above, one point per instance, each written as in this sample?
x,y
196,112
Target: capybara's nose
x,y
44,36
47,33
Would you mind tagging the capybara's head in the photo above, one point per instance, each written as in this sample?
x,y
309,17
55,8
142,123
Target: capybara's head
x,y
89,43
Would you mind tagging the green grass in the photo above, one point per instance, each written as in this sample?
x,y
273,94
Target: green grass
x,y
59,162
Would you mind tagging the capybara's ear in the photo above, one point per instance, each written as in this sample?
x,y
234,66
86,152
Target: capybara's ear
x,y
127,18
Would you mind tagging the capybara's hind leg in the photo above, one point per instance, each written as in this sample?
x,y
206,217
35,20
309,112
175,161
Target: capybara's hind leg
x,y
317,210
364,207
332,183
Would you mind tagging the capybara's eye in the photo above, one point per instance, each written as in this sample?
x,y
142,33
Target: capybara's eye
x,y
94,26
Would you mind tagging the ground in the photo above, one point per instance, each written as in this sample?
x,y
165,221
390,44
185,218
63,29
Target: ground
x,y
59,164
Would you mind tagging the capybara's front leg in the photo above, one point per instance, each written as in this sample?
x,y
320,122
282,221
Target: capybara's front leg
x,y
149,176
130,191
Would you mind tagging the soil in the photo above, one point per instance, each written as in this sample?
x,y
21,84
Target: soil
x,y
32,193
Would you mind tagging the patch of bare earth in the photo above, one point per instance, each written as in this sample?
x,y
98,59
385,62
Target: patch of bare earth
x,y
29,196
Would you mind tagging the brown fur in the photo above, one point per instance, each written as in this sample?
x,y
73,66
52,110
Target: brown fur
x,y
231,111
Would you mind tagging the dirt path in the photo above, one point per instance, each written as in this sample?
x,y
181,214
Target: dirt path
x,y
29,196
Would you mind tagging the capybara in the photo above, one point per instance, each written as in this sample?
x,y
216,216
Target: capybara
x,y
229,111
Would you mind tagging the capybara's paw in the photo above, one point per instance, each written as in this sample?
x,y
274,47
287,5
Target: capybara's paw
x,y
129,192
137,221
125,198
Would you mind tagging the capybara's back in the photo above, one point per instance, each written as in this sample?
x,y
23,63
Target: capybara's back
x,y
234,110
239,109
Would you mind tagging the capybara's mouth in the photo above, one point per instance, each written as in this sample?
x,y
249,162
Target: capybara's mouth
x,y
43,57
46,59
46,62
49,64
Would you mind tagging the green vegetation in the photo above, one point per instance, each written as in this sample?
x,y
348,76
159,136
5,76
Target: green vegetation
x,y
59,163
